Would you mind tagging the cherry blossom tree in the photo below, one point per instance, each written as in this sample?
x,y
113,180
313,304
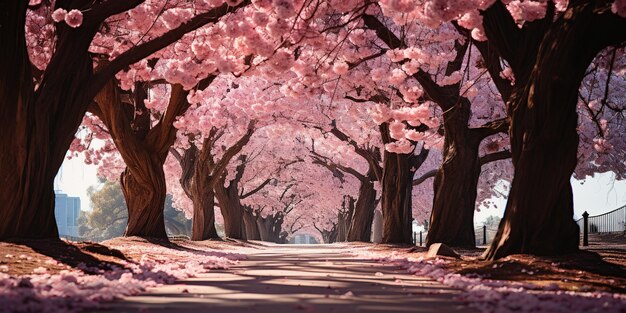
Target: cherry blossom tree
x,y
42,117
535,40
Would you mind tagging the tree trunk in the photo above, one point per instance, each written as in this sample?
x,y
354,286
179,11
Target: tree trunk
x,y
144,149
264,225
250,223
539,214
37,128
203,224
361,226
455,184
377,227
329,236
396,198
344,219
228,199
196,181
145,199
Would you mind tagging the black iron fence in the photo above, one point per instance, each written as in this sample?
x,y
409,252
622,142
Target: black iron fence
x,y
613,222
419,238
483,235
609,222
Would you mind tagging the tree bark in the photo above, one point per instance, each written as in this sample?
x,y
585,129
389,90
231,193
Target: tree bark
x,y
455,184
271,227
144,149
37,127
397,187
203,224
196,181
329,236
250,223
227,198
344,219
361,225
377,227
396,198
538,218
230,203
144,191
200,175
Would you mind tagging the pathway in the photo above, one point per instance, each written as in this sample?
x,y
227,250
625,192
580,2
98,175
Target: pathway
x,y
299,278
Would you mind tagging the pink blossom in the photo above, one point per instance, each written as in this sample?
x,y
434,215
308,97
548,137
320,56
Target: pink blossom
x,y
59,15
397,76
401,146
74,18
340,68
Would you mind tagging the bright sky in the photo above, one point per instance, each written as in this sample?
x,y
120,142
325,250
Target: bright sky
x,y
596,195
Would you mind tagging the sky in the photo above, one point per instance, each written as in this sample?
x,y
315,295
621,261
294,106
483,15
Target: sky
x,y
595,195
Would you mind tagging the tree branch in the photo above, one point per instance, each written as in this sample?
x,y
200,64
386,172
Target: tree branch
x,y
495,156
255,190
139,52
425,176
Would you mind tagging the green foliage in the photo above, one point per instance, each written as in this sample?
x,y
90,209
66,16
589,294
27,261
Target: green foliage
x,y
109,215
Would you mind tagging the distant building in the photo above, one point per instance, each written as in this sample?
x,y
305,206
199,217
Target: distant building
x,y
66,211
303,239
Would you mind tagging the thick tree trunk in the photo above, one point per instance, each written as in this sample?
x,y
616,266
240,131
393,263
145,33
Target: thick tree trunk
x,y
270,227
539,214
145,199
344,219
452,216
265,227
228,199
37,128
203,224
250,223
361,225
197,183
396,199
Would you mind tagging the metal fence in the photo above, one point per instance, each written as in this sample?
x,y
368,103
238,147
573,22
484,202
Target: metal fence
x,y
609,222
483,235
419,238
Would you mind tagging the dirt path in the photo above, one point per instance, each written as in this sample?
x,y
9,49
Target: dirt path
x,y
299,278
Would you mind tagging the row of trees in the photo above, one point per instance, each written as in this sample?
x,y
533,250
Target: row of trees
x,y
314,112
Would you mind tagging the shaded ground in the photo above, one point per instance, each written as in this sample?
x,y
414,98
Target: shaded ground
x,y
599,267
293,278
23,257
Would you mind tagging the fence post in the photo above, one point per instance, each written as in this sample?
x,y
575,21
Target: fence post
x,y
420,238
484,234
415,238
585,229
